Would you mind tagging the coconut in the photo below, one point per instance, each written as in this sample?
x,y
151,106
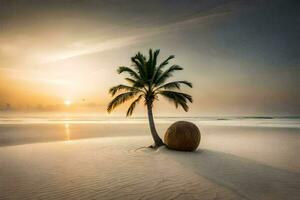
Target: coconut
x,y
182,136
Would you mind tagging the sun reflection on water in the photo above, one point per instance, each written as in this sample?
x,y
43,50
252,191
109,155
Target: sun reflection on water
x,y
67,132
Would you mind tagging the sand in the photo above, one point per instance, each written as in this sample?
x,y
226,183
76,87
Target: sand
x,y
106,168
256,159
115,168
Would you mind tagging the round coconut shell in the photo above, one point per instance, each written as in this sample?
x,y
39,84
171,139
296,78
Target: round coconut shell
x,y
182,136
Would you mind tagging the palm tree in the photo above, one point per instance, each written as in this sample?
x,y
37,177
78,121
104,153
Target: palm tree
x,y
147,80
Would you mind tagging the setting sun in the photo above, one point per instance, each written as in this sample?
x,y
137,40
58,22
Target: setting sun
x,y
67,102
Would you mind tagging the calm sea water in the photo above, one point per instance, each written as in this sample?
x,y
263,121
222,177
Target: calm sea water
x,y
91,118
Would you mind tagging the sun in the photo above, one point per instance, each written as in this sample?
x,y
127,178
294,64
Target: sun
x,y
67,102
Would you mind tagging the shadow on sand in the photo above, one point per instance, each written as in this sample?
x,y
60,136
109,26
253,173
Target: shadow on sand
x,y
248,178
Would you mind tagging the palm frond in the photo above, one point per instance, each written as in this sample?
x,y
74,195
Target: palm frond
x,y
174,85
132,106
158,70
167,74
130,71
149,66
135,83
115,89
150,59
121,98
139,62
155,56
177,98
184,95
166,62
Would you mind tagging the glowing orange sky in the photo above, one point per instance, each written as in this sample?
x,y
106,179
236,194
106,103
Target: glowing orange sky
x,y
54,52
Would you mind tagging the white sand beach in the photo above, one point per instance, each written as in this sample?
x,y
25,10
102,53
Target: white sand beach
x,y
106,168
231,163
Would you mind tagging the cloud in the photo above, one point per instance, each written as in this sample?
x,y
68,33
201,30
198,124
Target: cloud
x,y
82,48
39,38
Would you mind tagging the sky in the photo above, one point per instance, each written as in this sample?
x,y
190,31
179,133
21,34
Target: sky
x,y
241,56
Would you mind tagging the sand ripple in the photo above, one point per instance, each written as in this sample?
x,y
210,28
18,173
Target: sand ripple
x,y
113,168
107,168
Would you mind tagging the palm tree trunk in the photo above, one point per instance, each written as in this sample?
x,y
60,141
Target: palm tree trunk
x,y
157,140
